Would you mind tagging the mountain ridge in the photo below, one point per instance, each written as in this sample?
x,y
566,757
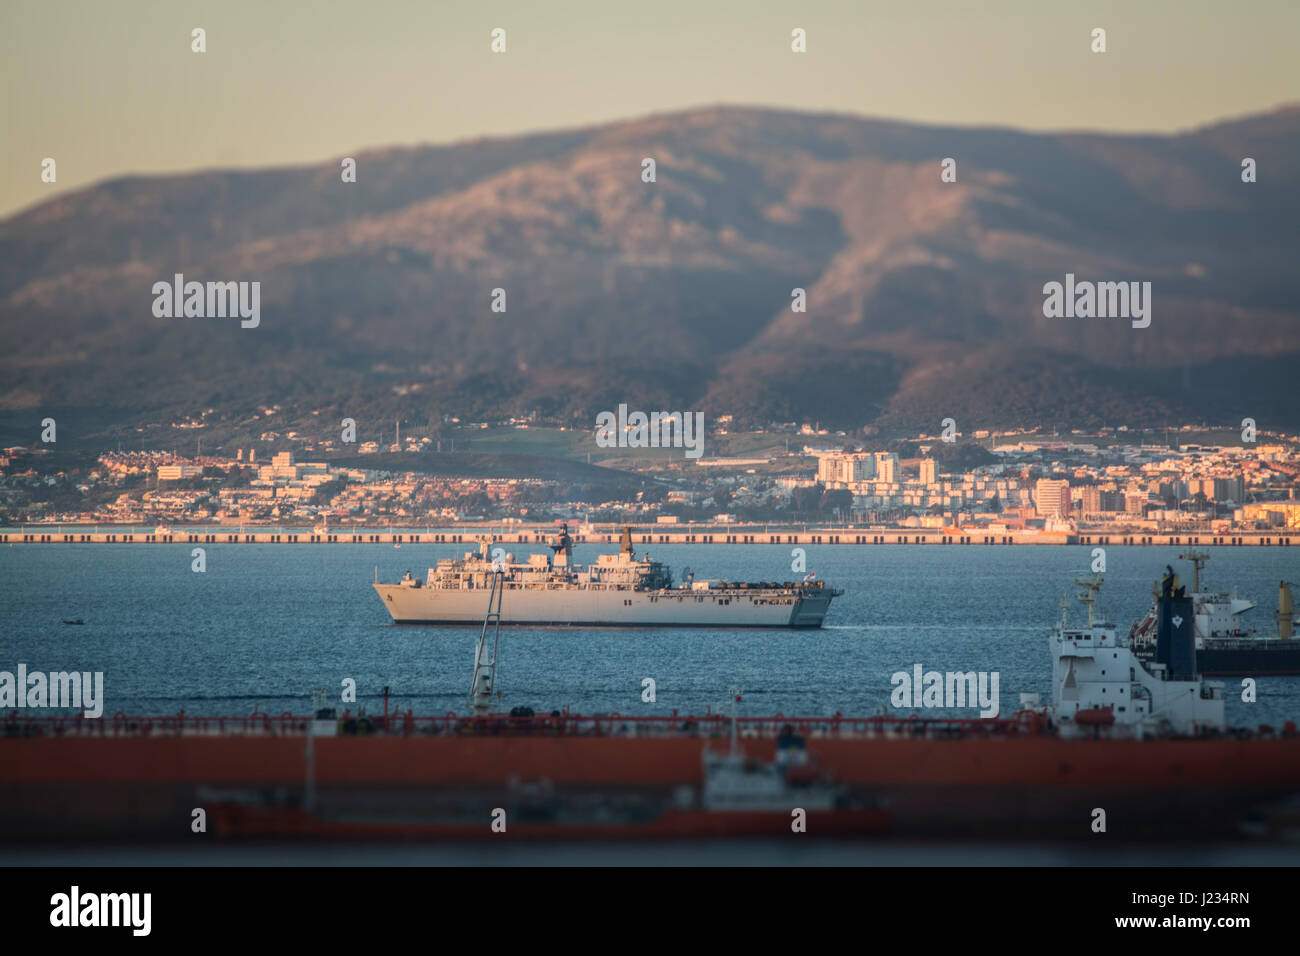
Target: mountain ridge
x,y
921,294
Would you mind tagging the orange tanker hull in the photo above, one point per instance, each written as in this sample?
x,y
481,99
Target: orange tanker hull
x,y
1041,760
1040,784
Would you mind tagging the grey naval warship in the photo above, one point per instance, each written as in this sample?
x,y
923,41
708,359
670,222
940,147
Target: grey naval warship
x,y
619,590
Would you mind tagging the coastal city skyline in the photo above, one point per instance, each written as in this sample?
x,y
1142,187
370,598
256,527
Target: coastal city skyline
x,y
1168,481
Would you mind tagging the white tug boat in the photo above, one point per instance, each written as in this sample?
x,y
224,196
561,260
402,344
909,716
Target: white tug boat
x,y
618,590
1100,687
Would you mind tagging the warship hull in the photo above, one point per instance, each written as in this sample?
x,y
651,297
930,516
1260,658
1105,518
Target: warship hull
x,y
591,607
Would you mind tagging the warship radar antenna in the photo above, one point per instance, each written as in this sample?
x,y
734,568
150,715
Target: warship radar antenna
x,y
562,546
485,663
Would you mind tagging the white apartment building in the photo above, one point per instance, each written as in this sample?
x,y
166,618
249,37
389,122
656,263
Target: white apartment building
x,y
841,468
1052,498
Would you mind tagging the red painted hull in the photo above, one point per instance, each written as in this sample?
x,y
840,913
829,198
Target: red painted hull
x,y
146,787
1041,760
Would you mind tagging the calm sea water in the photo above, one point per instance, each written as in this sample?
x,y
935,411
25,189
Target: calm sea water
x,y
266,624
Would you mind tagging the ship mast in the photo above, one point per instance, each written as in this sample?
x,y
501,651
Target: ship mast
x,y
485,662
1198,559
1088,595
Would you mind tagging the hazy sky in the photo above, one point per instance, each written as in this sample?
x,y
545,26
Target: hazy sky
x,y
109,87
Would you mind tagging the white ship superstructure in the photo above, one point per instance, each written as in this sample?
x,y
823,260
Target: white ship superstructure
x,y
1099,684
618,590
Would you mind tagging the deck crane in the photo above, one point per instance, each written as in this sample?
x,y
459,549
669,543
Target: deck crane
x,y
485,660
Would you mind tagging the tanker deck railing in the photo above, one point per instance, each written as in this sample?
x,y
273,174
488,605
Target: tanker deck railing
x,y
561,723
15,724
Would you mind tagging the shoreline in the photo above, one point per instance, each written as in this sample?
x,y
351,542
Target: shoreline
x,y
640,536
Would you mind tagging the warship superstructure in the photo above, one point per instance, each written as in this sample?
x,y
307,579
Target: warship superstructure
x,y
618,590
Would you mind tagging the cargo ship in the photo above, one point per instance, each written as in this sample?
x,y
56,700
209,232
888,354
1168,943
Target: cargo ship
x,y
1225,645
618,590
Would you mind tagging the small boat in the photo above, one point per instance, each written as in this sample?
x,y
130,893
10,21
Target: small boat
x,y
77,621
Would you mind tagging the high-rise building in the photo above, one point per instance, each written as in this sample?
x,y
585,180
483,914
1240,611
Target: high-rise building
x,y
1052,498
886,467
928,471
